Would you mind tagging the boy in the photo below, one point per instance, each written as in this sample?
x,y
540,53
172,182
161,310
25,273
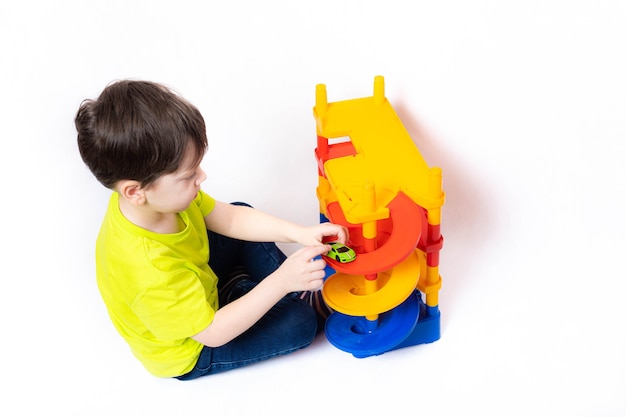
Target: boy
x,y
186,314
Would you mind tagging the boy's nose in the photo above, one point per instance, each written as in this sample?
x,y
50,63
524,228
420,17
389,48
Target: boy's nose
x,y
201,176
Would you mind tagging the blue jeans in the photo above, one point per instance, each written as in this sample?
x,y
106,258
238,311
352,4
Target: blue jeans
x,y
289,326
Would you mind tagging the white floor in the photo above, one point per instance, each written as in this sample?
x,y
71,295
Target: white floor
x,y
521,104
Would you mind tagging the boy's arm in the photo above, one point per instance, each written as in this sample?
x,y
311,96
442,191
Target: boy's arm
x,y
300,272
253,225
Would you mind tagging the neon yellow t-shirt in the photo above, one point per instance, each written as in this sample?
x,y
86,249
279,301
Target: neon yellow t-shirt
x,y
158,288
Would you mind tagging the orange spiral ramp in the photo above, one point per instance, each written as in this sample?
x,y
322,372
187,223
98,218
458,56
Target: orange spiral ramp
x,y
407,229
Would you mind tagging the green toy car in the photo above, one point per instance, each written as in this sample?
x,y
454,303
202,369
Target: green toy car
x,y
340,252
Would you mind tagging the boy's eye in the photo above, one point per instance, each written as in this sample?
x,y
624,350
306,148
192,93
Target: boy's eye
x,y
190,177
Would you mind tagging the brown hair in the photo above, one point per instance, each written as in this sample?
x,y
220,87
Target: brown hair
x,y
137,130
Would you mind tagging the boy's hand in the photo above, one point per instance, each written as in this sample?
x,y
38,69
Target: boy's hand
x,y
315,235
301,272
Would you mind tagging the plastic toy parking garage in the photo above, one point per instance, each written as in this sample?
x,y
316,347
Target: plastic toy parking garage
x,y
375,182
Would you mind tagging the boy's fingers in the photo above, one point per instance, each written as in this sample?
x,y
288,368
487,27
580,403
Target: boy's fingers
x,y
317,250
343,235
318,264
339,233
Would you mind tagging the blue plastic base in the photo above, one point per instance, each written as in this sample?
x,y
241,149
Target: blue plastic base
x,y
427,329
364,338
411,323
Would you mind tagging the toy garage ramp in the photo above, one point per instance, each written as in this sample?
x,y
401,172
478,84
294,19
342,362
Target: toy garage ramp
x,y
374,181
374,296
403,236
348,293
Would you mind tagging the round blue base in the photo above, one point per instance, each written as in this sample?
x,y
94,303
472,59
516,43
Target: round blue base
x,y
363,338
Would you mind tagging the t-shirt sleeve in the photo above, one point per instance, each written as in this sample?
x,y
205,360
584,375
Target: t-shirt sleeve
x,y
205,202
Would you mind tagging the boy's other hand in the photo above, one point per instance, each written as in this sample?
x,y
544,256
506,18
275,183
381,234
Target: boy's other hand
x,y
302,271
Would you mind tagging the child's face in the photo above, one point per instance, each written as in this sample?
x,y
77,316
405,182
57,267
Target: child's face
x,y
172,193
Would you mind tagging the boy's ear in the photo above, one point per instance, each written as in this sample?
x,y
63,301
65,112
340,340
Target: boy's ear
x,y
132,191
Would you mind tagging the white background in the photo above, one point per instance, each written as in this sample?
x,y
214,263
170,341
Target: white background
x,y
522,104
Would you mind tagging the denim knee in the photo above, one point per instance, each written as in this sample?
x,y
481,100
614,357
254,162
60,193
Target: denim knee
x,y
298,322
